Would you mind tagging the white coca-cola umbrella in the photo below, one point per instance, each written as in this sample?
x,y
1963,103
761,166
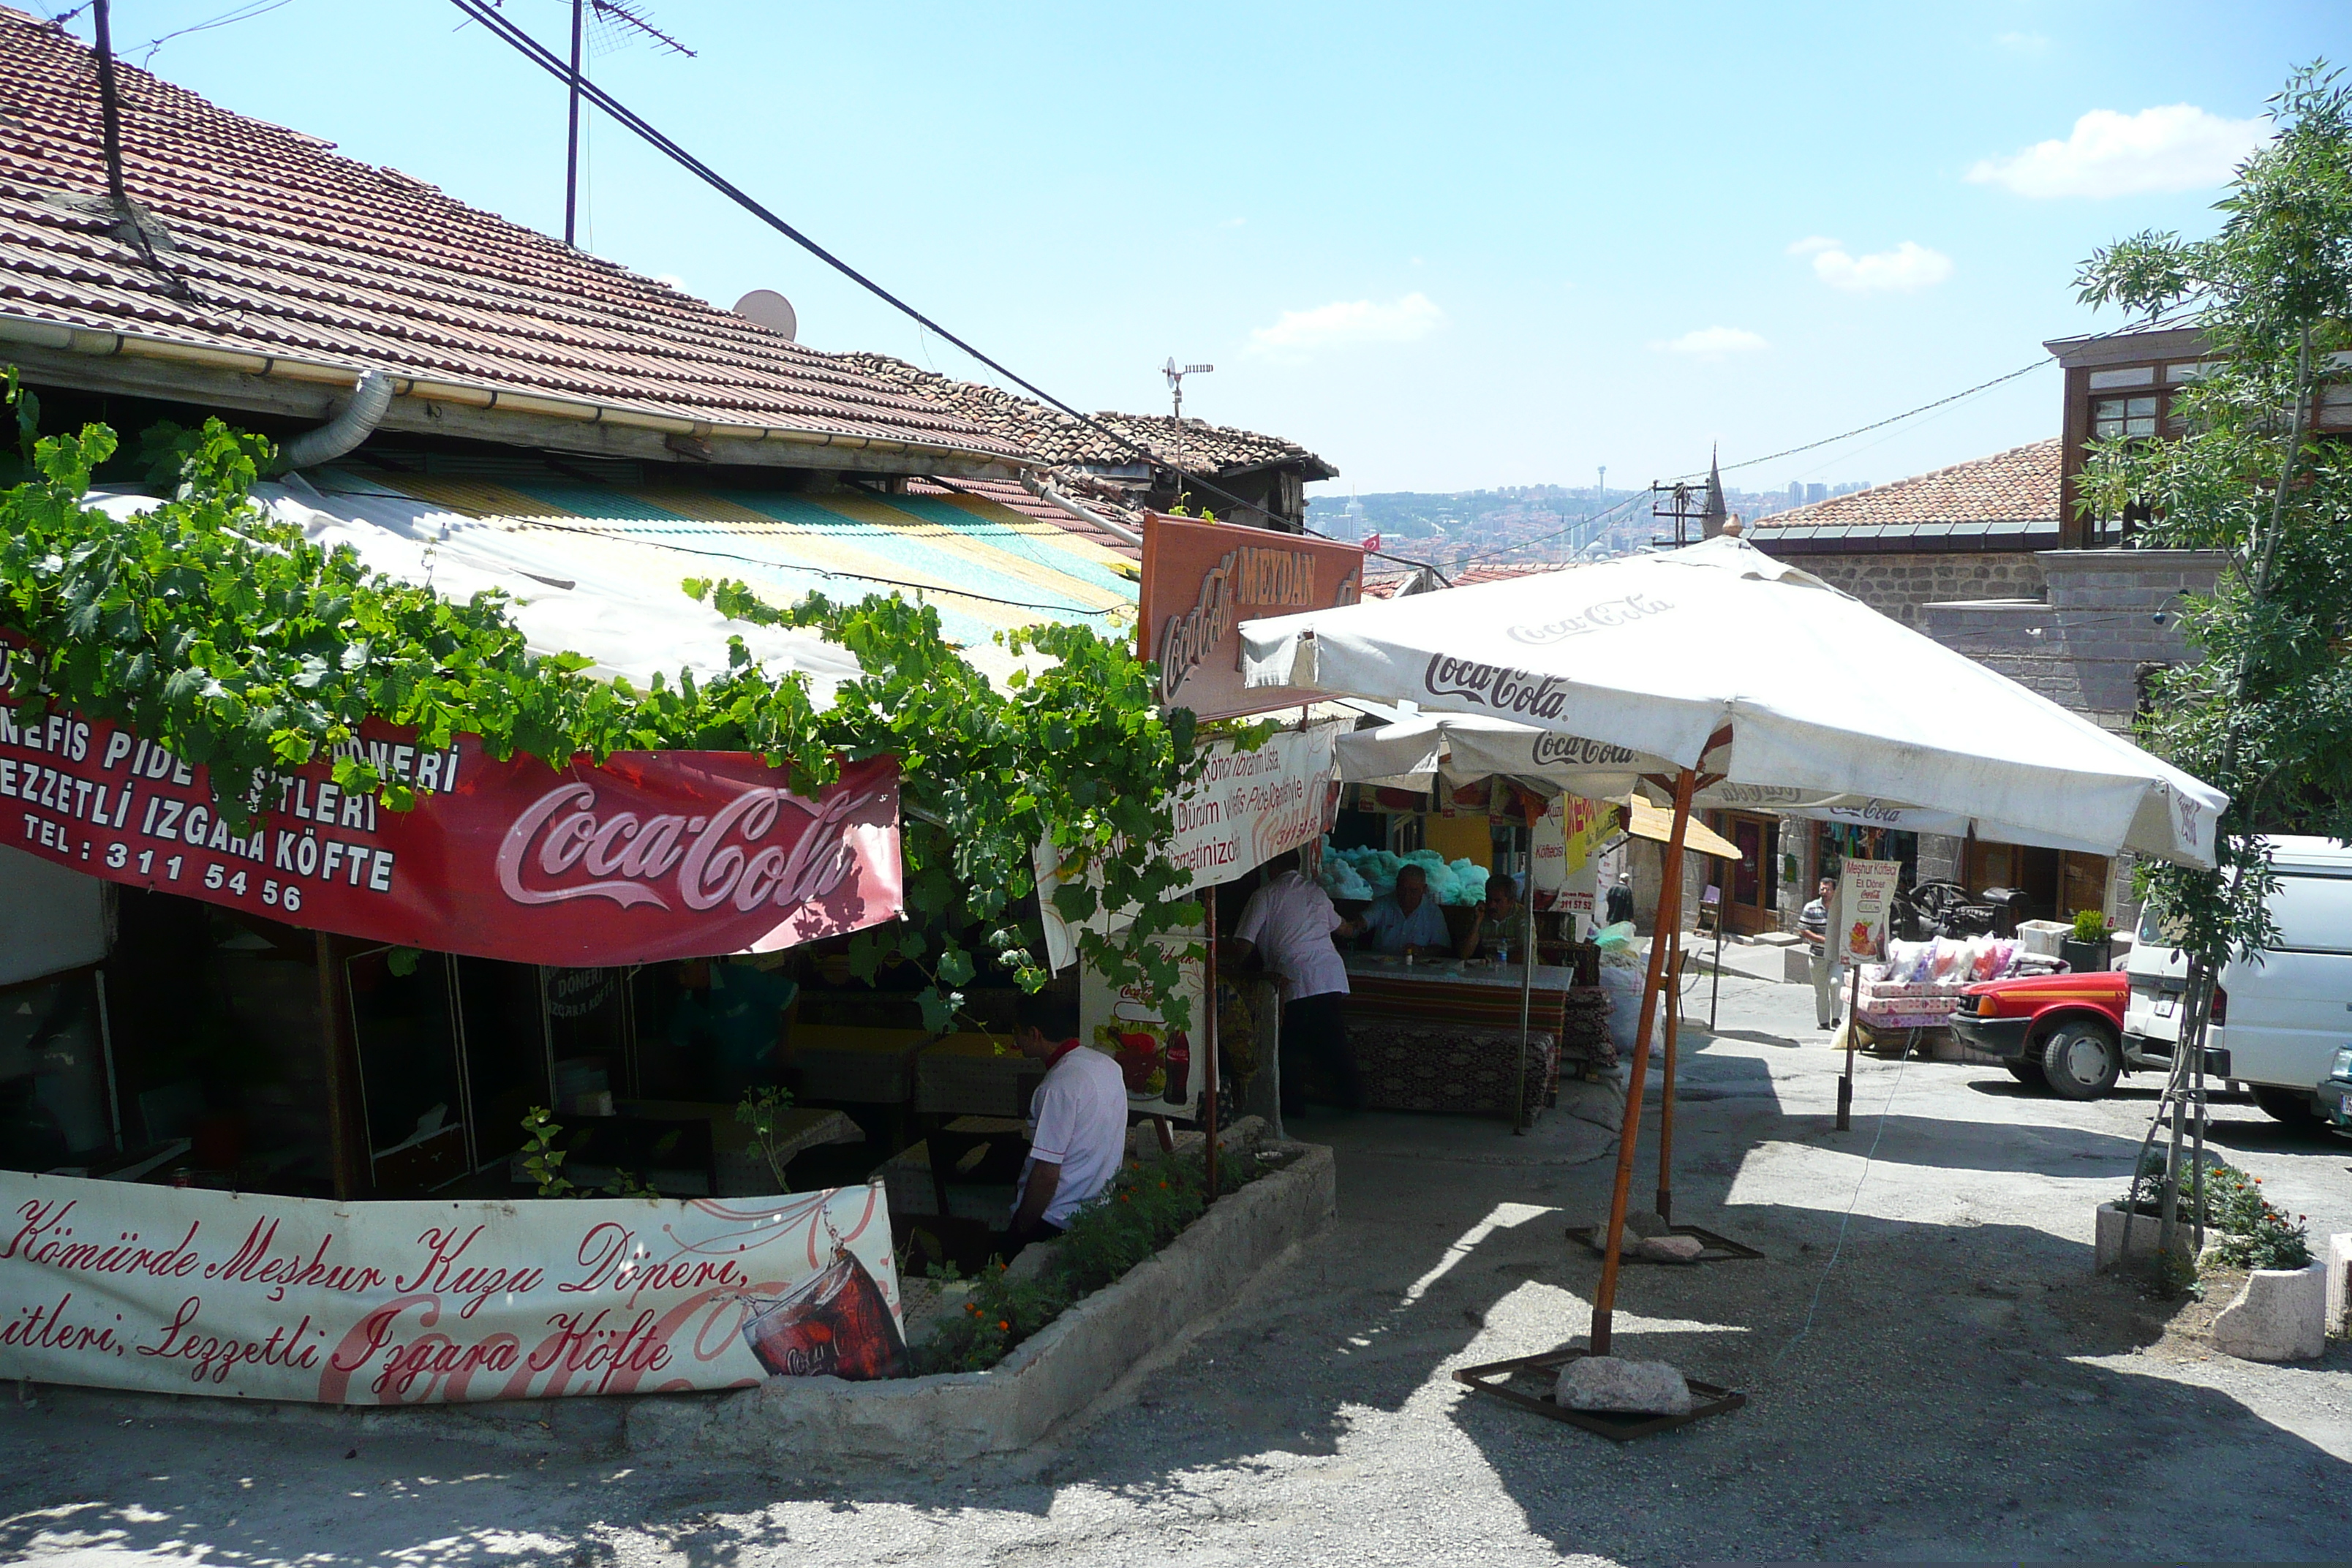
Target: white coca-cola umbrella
x,y
1660,654
1737,669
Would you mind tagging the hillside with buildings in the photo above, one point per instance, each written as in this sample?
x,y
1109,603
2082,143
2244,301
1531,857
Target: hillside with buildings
x,y
1530,522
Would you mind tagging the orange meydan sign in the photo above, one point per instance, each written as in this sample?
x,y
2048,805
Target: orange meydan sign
x,y
1203,580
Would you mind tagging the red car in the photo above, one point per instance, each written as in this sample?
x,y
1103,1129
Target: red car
x,y
2064,1031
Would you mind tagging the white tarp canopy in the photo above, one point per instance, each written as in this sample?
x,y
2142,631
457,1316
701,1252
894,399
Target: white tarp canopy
x,y
614,600
1641,661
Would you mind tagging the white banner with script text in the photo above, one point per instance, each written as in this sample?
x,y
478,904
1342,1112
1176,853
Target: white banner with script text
x,y
184,1291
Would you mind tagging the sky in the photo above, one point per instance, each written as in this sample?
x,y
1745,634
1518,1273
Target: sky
x,y
1445,247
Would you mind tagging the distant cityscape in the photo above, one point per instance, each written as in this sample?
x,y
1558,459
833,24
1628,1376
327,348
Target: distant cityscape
x,y
1531,523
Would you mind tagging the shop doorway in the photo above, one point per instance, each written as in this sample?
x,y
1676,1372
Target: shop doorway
x,y
2057,882
1749,903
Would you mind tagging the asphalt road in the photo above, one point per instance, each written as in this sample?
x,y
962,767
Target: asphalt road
x,y
1958,1386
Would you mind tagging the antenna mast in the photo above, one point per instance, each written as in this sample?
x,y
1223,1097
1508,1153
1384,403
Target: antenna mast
x,y
621,21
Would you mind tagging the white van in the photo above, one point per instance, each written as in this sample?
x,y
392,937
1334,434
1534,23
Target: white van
x,y
2282,1019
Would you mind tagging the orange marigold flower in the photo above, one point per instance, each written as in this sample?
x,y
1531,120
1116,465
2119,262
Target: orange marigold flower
x,y
1005,1326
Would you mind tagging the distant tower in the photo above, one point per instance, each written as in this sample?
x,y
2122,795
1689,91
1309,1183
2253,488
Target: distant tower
x,y
1354,530
1816,492
1710,523
1796,492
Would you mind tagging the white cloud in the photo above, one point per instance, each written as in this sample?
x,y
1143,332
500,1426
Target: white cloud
x,y
1813,242
1348,321
2177,147
1909,265
1233,223
1712,342
2022,43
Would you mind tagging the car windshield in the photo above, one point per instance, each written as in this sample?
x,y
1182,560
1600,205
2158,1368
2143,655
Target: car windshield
x,y
2155,932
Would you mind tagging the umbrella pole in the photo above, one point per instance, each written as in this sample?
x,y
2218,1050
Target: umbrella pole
x,y
1670,917
1527,993
1673,1004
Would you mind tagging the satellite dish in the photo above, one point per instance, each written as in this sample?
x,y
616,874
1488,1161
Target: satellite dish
x,y
772,311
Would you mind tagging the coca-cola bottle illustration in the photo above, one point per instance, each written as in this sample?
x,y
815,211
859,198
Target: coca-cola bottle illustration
x,y
835,1325
1178,1063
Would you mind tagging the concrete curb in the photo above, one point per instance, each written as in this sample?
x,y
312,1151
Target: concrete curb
x,y
809,1422
2281,1315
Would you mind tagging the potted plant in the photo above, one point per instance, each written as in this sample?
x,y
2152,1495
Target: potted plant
x,y
2087,949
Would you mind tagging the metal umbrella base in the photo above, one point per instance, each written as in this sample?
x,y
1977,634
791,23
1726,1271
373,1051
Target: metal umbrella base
x,y
1706,1399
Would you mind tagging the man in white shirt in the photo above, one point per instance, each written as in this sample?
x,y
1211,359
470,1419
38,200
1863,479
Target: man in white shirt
x,y
1292,922
1409,919
1077,1120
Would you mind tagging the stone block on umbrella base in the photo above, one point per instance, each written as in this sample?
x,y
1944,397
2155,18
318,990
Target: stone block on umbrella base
x,y
1604,1383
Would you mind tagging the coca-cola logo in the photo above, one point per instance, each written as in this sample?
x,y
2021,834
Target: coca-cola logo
x,y
1608,613
672,861
1575,750
1262,577
1495,685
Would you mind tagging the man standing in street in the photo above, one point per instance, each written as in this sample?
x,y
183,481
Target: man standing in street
x,y
1077,1131
1408,920
1814,925
1292,922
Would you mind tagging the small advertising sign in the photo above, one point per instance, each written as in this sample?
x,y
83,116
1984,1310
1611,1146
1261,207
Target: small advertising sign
x,y
1129,1024
1203,580
1866,899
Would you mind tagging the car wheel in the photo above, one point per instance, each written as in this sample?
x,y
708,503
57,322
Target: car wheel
x,y
2027,1073
2291,1106
2081,1061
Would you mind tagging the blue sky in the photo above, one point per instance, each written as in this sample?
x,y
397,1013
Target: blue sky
x,y
1447,246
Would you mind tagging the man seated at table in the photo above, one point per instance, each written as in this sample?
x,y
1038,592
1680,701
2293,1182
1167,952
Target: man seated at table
x,y
1497,927
1409,919
1077,1120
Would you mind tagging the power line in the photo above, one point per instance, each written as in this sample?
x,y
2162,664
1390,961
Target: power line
x,y
1877,424
486,13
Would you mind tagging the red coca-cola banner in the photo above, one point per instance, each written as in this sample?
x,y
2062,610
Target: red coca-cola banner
x,y
651,855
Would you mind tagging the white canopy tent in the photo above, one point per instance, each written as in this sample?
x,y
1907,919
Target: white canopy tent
x,y
1735,669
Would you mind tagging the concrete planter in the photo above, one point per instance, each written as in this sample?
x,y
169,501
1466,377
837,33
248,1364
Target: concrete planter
x,y
2281,1315
2108,1246
805,1423
2339,1285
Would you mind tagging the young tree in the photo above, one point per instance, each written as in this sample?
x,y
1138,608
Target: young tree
x,y
2267,714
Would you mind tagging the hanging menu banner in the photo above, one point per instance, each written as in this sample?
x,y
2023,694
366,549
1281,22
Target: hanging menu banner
x,y
185,1290
646,856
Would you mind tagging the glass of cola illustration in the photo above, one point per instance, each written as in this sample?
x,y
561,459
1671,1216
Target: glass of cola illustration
x,y
835,1325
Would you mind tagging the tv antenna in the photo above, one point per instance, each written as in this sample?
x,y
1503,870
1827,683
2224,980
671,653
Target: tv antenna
x,y
616,24
1176,396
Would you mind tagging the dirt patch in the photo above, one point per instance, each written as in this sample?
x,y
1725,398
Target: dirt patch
x,y
2117,1313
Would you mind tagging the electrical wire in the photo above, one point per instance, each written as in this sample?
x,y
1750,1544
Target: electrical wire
x,y
486,13
244,12
1852,1203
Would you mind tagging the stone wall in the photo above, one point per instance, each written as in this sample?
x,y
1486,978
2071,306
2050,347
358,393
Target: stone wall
x,y
1903,584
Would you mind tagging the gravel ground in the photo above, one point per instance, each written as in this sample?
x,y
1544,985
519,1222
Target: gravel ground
x,y
1958,1386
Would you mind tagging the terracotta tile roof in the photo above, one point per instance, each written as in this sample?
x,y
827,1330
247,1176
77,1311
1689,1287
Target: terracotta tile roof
x,y
1055,438
287,248
2018,486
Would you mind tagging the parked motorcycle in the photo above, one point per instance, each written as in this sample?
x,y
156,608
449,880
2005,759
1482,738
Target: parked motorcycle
x,y
1942,908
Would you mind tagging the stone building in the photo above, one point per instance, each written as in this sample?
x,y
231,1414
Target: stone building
x,y
1994,558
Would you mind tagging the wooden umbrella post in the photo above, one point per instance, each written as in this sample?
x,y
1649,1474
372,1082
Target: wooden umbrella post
x,y
1207,1030
1670,914
1666,1088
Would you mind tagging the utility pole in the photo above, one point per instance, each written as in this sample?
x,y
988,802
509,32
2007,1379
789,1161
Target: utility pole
x,y
572,141
1176,397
